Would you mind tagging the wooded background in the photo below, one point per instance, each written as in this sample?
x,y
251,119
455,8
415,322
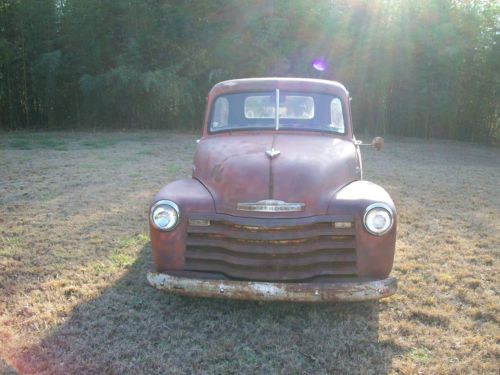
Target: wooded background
x,y
426,68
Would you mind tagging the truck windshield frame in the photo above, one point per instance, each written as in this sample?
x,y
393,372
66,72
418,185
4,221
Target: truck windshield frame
x,y
278,110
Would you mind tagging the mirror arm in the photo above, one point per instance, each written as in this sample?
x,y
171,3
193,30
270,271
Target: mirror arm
x,y
360,143
377,143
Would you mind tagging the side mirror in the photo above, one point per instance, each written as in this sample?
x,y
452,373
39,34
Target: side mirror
x,y
378,143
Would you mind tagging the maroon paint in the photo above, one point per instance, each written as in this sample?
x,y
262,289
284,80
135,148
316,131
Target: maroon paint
x,y
317,169
309,170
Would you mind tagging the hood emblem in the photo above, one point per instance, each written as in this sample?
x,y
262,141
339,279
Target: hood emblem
x,y
271,205
272,153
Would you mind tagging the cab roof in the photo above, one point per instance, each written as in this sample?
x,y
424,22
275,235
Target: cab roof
x,y
282,83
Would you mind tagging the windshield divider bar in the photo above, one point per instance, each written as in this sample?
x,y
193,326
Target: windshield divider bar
x,y
277,117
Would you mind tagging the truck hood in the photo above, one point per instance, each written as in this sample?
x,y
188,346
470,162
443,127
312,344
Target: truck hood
x,y
295,168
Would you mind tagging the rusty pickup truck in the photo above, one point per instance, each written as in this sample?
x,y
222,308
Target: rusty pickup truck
x,y
277,208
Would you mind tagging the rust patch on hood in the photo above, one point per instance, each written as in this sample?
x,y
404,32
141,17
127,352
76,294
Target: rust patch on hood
x,y
310,167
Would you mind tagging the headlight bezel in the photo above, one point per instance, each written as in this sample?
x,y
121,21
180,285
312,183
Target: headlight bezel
x,y
165,202
381,206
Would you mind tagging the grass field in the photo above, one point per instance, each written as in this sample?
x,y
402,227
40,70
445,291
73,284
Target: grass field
x,y
74,252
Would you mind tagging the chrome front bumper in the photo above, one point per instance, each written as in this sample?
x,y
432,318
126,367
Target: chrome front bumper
x,y
354,291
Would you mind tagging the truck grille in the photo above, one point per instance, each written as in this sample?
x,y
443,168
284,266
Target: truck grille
x,y
312,252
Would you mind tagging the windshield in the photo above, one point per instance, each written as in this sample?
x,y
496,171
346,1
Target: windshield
x,y
296,110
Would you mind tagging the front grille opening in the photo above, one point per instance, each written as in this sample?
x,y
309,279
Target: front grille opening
x,y
312,252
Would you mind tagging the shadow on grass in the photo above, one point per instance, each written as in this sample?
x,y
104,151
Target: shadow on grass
x,y
133,328
5,369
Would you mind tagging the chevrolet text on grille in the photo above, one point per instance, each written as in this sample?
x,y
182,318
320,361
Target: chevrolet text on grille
x,y
270,206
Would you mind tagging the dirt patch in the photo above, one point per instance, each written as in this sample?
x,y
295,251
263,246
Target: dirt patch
x,y
74,251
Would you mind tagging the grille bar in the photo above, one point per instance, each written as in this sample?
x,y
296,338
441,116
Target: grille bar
x,y
269,274
288,247
252,260
270,234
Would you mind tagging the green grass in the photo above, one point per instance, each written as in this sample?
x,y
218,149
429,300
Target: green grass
x,y
173,169
88,166
135,175
420,354
52,144
99,143
132,241
21,144
10,241
146,153
37,142
9,246
117,163
126,248
122,260
46,195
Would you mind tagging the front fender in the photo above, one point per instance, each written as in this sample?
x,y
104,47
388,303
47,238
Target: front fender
x,y
168,247
375,254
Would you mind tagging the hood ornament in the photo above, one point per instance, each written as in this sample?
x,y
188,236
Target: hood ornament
x,y
272,153
271,205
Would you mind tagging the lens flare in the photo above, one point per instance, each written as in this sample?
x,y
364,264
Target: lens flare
x,y
320,64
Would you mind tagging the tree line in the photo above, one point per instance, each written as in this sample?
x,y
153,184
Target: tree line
x,y
427,68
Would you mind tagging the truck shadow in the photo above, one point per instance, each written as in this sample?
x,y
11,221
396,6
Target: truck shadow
x,y
5,369
133,328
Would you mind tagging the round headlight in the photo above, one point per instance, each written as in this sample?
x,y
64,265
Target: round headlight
x,y
165,215
378,219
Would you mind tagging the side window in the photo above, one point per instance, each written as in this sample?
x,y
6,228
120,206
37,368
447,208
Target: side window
x,y
221,113
337,123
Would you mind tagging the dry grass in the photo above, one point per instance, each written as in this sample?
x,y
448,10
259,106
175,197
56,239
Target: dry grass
x,y
74,252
